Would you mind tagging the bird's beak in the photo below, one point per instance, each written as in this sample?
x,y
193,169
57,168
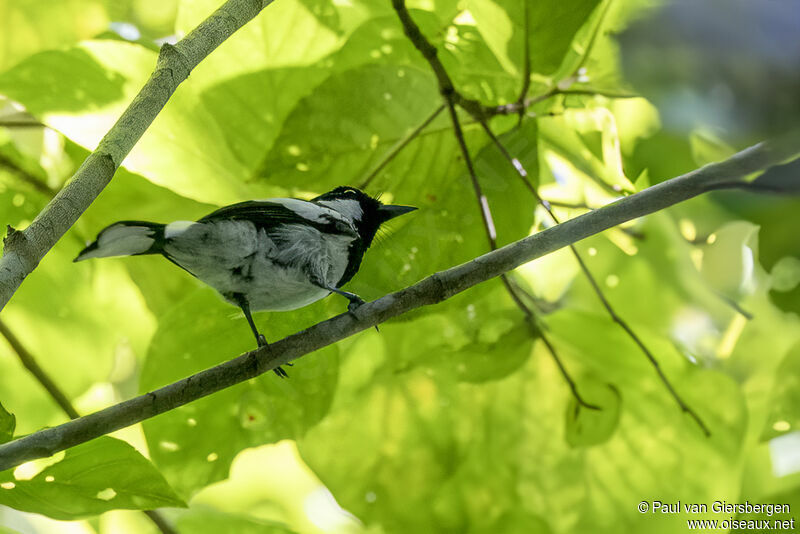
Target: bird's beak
x,y
390,211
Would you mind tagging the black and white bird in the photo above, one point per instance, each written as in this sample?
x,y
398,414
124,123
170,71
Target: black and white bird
x,y
276,254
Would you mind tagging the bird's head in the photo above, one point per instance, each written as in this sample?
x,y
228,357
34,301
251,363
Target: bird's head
x,y
367,213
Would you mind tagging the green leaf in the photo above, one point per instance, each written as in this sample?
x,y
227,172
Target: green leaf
x,y
587,427
7,424
785,397
476,338
552,26
97,476
81,91
29,27
345,143
269,41
431,177
186,443
729,262
204,521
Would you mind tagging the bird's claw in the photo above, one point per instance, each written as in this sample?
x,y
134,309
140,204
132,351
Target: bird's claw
x,y
262,342
280,372
355,303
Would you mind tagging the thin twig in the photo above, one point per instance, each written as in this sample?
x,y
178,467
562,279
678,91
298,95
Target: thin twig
x,y
20,123
159,521
568,205
597,91
30,363
26,177
523,174
398,147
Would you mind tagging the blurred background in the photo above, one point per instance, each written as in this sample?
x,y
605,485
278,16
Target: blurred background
x,y
454,418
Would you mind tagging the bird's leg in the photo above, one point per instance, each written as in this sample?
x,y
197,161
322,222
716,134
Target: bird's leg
x,y
260,339
355,300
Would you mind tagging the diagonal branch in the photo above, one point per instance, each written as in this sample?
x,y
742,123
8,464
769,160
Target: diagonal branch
x,y
24,250
431,290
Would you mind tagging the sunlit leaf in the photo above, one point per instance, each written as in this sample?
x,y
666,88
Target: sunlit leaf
x,y
100,475
60,87
586,426
29,26
185,443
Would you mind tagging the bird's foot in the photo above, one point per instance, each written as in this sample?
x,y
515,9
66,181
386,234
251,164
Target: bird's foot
x,y
280,372
262,342
355,303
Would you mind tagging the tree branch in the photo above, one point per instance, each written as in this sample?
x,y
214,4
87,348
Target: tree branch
x,y
23,250
30,363
431,290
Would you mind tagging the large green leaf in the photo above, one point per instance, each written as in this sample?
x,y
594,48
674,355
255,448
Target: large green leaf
x,y
28,26
344,141
103,474
81,91
476,454
551,27
186,442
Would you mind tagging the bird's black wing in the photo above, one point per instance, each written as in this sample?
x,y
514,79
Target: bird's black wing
x,y
269,215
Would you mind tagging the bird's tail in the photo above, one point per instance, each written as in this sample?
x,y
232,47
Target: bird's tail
x,y
125,238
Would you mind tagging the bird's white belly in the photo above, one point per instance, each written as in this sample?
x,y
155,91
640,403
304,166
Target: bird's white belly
x,y
234,257
279,290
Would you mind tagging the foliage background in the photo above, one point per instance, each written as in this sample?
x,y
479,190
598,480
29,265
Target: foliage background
x,y
453,418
